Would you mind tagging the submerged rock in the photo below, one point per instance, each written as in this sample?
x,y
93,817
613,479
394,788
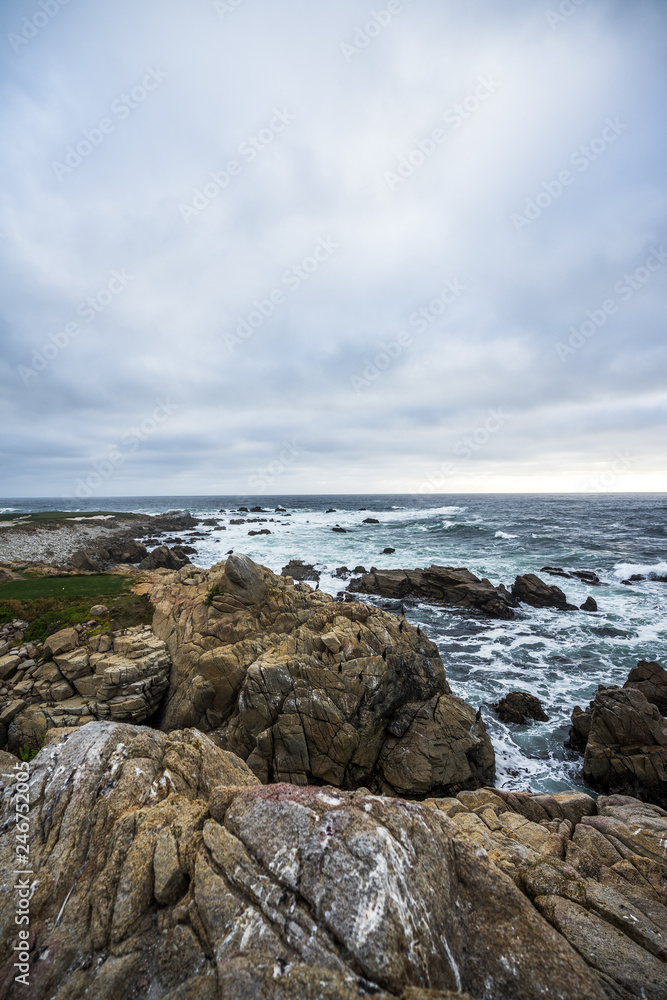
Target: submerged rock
x,y
308,689
518,706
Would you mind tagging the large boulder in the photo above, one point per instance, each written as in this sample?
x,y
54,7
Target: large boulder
x,y
651,679
441,584
529,589
519,706
624,741
164,558
158,863
307,689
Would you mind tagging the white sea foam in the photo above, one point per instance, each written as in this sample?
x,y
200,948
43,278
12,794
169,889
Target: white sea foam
x,y
625,570
504,534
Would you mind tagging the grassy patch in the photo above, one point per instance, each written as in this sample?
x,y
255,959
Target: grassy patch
x,y
48,607
98,585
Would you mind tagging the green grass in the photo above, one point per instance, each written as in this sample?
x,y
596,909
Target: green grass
x,y
98,585
50,603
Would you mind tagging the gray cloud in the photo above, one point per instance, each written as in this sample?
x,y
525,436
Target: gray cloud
x,y
358,119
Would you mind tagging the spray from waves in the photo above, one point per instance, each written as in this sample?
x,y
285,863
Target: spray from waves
x,y
623,571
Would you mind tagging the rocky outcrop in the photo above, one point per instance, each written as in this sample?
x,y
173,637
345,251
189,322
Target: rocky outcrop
x,y
308,689
158,861
300,571
529,589
120,677
164,558
519,706
651,679
441,584
624,741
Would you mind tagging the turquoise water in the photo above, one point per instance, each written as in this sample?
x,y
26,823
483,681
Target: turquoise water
x,y
559,656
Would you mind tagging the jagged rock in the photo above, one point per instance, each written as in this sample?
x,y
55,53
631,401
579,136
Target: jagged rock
x,y
121,679
161,865
590,604
163,558
342,572
441,584
299,571
651,679
588,576
529,589
310,690
518,706
626,751
86,559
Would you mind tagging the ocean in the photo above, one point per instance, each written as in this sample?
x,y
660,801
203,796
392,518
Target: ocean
x,y
561,657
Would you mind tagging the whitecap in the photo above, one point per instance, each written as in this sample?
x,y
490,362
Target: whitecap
x,y
625,570
504,534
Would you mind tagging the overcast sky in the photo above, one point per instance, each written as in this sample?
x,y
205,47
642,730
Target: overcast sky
x,y
330,247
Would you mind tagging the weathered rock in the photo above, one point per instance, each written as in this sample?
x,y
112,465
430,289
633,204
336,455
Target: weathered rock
x,y
9,664
310,690
86,559
626,751
590,604
370,520
529,589
518,706
440,584
163,558
299,571
62,641
98,611
122,678
651,679
159,864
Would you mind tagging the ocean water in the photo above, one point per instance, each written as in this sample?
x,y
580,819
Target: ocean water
x,y
561,657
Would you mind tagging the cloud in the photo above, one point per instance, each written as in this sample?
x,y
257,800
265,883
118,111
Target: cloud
x,y
226,85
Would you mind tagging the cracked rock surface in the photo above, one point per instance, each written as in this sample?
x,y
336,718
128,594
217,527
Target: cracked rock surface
x,y
623,737
120,677
163,870
311,690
